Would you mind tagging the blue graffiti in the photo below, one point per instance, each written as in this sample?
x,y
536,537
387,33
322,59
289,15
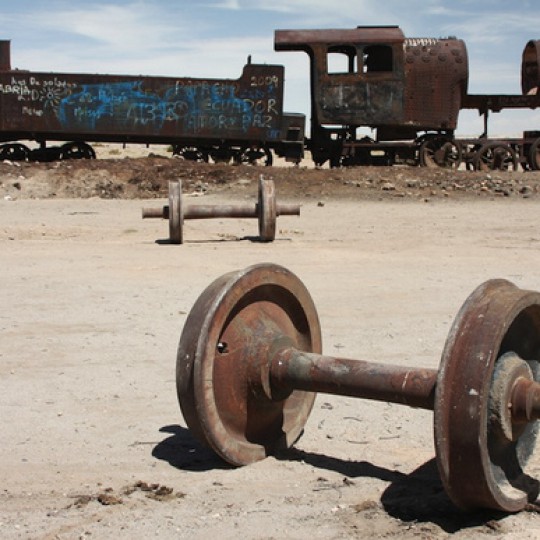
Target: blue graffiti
x,y
98,106
190,107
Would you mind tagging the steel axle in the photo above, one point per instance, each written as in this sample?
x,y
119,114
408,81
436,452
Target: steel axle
x,y
291,369
266,210
249,363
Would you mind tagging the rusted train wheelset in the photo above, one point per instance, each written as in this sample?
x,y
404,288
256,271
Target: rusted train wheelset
x,y
249,363
265,210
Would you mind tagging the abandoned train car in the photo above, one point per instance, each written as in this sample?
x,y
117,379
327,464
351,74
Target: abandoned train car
x,y
240,119
376,97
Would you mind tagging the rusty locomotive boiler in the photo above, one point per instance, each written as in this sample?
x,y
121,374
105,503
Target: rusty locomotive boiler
x,y
410,92
225,119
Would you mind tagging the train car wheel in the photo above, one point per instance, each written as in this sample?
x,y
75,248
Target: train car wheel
x,y
221,154
14,152
495,156
190,153
534,155
440,152
255,156
77,150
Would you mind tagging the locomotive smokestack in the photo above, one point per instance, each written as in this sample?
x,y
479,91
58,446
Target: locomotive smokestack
x,y
5,55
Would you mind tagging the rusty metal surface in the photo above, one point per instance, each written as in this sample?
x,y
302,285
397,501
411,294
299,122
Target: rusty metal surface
x,y
64,106
530,81
249,362
525,401
419,83
436,79
221,361
497,318
245,210
176,213
292,369
498,102
348,95
530,68
266,210
398,86
295,40
5,55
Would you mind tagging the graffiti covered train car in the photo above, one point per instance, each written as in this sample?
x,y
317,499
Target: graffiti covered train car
x,y
240,119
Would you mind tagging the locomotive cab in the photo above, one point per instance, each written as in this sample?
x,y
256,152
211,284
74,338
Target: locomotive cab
x,y
357,76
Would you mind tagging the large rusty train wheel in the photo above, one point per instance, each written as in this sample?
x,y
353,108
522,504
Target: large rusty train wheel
x,y
534,155
176,213
495,156
267,210
482,451
440,152
224,339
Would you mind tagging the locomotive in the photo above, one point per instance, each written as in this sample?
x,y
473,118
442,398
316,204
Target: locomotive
x,y
408,92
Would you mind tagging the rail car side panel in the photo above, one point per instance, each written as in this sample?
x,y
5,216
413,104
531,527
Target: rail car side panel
x,y
128,108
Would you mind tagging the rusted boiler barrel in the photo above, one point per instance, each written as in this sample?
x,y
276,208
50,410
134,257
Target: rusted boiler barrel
x,y
530,74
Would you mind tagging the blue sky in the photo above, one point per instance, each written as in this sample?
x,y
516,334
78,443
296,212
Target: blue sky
x,y
212,38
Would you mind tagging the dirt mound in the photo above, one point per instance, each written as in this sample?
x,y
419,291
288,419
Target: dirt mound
x,y
148,177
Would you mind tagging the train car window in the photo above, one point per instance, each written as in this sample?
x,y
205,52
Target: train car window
x,y
341,60
377,58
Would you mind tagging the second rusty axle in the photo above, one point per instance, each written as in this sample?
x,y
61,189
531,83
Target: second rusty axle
x,y
266,210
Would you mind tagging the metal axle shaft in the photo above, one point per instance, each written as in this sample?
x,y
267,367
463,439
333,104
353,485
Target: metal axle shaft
x,y
291,369
209,211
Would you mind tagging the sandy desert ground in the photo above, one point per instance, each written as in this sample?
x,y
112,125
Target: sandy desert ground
x,y
94,300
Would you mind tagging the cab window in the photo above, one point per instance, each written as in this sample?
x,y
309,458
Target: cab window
x,y
377,58
341,60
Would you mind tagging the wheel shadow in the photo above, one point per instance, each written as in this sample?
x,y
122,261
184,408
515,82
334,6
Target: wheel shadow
x,y
183,452
418,497
252,239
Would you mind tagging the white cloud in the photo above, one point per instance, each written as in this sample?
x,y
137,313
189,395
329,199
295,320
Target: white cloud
x,y
121,27
225,4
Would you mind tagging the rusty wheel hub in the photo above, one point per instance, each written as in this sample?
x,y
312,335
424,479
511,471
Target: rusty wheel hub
x,y
482,447
220,362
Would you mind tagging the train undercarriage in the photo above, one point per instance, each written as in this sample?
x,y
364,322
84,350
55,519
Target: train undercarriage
x,y
225,153
436,150
430,150
239,155
16,151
